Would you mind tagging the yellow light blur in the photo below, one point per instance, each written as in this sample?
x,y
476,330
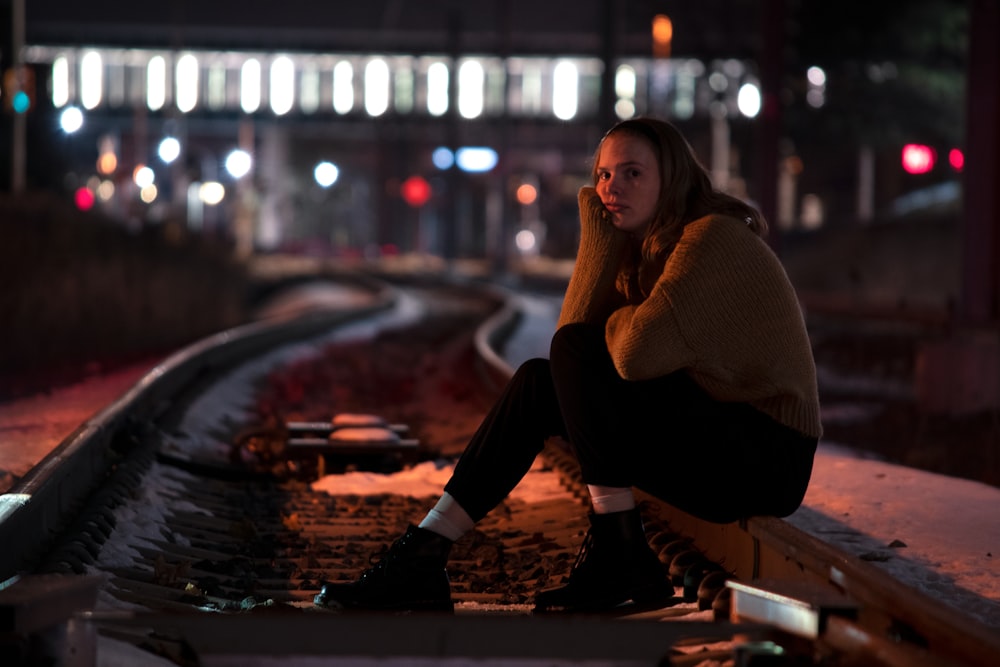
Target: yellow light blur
x,y
106,190
663,34
211,193
526,194
148,194
663,28
143,175
107,163
793,164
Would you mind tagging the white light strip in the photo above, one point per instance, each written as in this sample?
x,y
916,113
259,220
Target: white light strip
x,y
156,83
376,87
187,83
470,89
91,79
60,82
250,86
565,85
282,85
343,87
437,89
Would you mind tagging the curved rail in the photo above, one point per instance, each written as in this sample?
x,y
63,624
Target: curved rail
x,y
894,625
44,500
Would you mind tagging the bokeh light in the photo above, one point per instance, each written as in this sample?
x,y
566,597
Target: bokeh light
x,y
326,173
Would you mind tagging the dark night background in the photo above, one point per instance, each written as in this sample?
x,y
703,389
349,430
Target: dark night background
x,y
897,296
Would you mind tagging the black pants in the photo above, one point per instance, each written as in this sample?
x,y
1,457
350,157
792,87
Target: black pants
x,y
715,460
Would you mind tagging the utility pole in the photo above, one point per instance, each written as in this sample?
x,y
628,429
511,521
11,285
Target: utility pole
x,y
979,303
19,148
772,68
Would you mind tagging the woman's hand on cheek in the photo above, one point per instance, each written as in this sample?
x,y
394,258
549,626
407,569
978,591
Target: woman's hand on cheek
x,y
591,207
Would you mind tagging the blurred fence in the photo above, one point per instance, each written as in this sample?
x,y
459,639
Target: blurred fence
x,y
77,290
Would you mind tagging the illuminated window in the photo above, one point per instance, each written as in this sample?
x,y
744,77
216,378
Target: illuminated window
x,y
156,83
343,87
565,87
625,82
187,83
531,89
404,89
250,86
114,88
749,100
376,87
816,94
91,79
60,82
282,85
216,94
625,87
437,89
496,86
470,89
687,77
309,89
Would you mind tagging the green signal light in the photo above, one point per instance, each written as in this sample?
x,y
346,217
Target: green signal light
x,y
21,102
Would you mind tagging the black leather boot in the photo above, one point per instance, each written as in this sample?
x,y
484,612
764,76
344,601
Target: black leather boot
x,y
615,570
410,576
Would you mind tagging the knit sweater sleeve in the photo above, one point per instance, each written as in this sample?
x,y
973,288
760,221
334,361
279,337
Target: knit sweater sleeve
x,y
591,295
724,311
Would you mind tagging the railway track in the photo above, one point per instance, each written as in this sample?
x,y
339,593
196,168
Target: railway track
x,y
192,521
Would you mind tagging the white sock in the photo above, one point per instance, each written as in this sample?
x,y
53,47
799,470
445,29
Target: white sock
x,y
607,499
448,519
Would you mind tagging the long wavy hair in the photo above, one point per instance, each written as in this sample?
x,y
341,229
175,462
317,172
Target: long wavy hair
x,y
686,194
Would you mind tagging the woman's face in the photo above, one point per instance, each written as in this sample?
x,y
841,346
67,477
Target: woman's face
x,y
628,181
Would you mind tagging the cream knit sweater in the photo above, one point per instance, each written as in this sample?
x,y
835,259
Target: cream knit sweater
x,y
723,310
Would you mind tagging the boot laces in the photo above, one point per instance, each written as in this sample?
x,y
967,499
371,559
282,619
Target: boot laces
x,y
379,560
376,564
579,565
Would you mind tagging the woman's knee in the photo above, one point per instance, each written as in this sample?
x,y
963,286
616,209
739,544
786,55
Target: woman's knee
x,y
574,342
531,370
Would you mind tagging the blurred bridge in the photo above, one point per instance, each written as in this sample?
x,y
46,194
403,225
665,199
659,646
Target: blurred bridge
x,y
383,91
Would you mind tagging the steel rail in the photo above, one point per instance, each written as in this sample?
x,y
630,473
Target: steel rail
x,y
896,625
47,498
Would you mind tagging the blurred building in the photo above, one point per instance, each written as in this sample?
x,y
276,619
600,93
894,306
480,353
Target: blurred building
x,y
384,92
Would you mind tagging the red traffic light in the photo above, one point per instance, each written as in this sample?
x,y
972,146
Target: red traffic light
x,y
416,191
918,159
